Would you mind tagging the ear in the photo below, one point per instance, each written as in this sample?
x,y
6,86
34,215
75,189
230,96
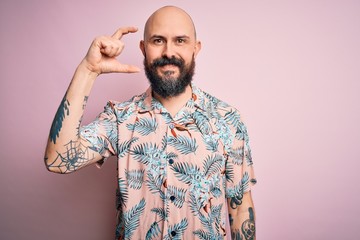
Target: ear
x,y
142,47
197,48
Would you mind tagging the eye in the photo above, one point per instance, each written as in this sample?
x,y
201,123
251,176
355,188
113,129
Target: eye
x,y
158,41
180,41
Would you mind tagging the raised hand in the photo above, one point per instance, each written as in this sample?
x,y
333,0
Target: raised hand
x,y
101,56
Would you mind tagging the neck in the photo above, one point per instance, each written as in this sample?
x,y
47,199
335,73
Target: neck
x,y
174,104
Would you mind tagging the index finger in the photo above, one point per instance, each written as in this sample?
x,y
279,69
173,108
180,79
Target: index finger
x,y
122,31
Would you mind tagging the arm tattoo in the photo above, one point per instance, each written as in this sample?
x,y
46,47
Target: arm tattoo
x,y
248,226
231,220
80,120
235,235
59,118
85,101
236,201
75,156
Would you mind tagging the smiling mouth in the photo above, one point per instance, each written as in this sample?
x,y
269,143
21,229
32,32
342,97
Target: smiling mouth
x,y
168,69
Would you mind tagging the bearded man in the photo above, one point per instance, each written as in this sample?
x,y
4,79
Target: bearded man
x,y
184,161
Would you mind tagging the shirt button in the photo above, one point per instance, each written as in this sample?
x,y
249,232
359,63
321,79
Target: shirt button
x,y
171,161
172,198
173,233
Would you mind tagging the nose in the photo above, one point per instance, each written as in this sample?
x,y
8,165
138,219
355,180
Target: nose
x,y
168,50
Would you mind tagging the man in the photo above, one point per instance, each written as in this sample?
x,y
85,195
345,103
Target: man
x,y
184,162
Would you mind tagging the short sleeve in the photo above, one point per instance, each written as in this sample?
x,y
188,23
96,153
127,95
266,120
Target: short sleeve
x,y
239,166
102,133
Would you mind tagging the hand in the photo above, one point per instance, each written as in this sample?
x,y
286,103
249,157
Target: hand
x,y
101,56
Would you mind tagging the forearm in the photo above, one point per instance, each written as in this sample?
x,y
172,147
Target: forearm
x,y
66,151
64,143
242,219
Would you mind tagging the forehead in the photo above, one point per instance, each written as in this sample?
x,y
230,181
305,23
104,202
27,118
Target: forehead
x,y
169,23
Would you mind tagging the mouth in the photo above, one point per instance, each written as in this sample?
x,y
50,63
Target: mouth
x,y
168,69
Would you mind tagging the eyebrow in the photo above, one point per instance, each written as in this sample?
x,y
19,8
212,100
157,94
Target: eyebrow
x,y
182,36
160,36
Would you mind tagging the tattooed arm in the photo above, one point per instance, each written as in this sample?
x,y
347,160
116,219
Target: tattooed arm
x,y
242,218
66,151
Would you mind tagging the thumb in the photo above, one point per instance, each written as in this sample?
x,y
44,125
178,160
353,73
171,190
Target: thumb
x,y
125,68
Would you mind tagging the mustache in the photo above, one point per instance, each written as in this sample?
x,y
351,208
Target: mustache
x,y
160,62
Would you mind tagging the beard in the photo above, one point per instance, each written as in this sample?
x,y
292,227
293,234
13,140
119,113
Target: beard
x,y
169,86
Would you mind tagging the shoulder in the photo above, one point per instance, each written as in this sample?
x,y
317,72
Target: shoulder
x,y
134,101
123,110
223,109
227,116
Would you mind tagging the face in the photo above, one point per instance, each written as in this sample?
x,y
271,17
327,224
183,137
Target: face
x,y
168,85
169,48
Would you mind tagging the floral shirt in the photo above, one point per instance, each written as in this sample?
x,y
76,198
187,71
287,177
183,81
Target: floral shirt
x,y
174,174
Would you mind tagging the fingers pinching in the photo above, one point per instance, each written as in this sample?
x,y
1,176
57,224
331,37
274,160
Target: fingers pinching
x,y
123,31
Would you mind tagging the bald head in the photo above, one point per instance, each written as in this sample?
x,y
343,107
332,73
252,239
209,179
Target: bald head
x,y
169,18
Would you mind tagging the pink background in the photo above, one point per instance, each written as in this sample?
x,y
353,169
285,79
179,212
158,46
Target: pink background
x,y
291,67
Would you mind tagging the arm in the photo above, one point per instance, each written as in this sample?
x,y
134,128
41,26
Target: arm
x,y
66,151
242,218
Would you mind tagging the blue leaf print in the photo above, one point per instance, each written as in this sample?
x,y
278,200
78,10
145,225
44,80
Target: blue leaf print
x,y
124,147
178,228
202,122
171,155
100,145
212,110
135,178
215,212
194,205
202,235
145,151
236,193
144,126
183,144
185,172
248,157
164,142
233,118
207,224
110,131
160,212
216,192
179,194
126,103
132,218
213,219
155,185
211,141
237,155
213,164
225,133
241,132
240,188
123,192
153,232
212,99
229,171
124,114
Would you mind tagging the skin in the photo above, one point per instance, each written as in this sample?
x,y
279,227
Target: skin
x,y
239,214
168,32
65,141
